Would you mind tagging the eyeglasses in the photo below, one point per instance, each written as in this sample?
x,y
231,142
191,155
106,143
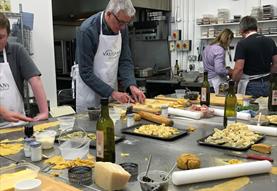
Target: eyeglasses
x,y
120,22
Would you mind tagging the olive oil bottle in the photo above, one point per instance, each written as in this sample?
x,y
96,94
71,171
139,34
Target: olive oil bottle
x,y
272,98
105,144
230,112
205,91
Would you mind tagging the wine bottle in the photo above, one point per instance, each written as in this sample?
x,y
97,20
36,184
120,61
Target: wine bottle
x,y
205,91
272,98
176,69
230,113
105,144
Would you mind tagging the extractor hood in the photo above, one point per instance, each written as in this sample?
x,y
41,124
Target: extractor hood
x,y
72,9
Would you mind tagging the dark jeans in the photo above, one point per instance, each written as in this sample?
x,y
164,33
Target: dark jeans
x,y
258,88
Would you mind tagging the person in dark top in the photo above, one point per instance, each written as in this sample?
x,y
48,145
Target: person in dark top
x,y
255,59
15,67
103,54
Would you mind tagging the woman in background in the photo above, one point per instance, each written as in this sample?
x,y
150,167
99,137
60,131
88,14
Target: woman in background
x,y
214,59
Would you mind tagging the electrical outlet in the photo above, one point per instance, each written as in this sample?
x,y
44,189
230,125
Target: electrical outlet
x,y
171,46
186,45
179,45
176,35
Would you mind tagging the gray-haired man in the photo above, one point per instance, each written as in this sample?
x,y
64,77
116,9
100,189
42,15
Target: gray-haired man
x,y
103,54
256,58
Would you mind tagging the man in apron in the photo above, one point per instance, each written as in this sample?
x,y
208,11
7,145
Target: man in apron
x,y
15,67
103,54
256,58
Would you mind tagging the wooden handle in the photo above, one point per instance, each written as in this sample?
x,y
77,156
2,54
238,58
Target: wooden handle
x,y
155,118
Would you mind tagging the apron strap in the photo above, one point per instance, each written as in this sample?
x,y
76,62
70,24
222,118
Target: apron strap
x,y
5,56
101,18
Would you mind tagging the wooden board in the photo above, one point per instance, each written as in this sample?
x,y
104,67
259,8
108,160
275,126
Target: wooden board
x,y
51,183
220,101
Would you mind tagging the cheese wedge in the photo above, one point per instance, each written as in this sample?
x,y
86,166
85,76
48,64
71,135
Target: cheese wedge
x,y
110,176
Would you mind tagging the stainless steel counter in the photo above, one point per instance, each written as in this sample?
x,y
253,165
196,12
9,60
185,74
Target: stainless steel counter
x,y
164,153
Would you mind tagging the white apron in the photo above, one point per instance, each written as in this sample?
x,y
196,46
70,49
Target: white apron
x,y
216,81
105,67
245,80
10,97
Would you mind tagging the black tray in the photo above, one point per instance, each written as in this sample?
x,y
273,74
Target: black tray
x,y
130,130
202,142
117,139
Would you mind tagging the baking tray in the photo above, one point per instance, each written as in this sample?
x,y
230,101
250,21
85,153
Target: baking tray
x,y
202,142
118,138
130,130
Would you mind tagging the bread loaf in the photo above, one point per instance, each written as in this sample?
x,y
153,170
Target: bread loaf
x,y
155,118
188,161
262,148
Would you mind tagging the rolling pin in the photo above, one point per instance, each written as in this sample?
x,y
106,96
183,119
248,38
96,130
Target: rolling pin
x,y
155,118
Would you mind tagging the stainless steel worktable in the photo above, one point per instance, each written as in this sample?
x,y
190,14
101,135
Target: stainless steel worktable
x,y
164,153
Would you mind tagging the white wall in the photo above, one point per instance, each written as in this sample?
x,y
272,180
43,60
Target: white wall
x,y
190,10
43,43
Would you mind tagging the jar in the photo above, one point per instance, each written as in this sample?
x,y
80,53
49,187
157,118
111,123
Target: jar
x,y
36,152
27,148
164,110
130,119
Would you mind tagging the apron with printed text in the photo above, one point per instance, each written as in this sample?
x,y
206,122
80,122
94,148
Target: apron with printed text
x,y
105,67
10,97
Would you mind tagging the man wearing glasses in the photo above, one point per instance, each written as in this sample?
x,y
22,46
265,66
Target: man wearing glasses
x,y
103,54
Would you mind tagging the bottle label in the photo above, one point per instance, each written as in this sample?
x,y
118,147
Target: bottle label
x,y
203,94
274,97
100,144
231,120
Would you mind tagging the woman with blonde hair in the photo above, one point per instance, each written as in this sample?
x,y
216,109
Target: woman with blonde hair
x,y
214,59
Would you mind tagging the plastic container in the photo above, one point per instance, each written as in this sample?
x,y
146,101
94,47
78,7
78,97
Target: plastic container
x,y
157,183
46,138
74,148
28,185
23,171
66,123
180,93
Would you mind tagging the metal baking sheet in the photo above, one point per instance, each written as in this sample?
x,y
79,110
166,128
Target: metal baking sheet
x,y
118,138
202,142
130,130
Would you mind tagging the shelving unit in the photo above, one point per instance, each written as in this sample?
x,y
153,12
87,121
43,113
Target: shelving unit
x,y
232,26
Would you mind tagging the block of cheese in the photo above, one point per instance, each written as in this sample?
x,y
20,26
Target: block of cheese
x,y
110,176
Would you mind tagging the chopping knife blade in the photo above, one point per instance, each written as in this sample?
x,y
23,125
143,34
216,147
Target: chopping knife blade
x,y
249,156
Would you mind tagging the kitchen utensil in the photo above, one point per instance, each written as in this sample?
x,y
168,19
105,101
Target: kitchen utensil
x,y
171,170
249,156
157,183
145,178
220,172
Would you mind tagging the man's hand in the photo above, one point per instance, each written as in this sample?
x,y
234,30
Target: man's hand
x,y
41,116
14,116
137,94
122,97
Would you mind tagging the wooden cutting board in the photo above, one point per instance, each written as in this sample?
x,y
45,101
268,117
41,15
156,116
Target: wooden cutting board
x,y
220,101
52,184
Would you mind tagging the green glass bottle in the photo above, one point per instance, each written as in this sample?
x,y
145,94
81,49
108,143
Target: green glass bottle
x,y
272,98
230,112
176,68
205,91
105,144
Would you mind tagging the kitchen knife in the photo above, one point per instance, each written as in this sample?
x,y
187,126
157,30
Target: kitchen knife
x,y
249,156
